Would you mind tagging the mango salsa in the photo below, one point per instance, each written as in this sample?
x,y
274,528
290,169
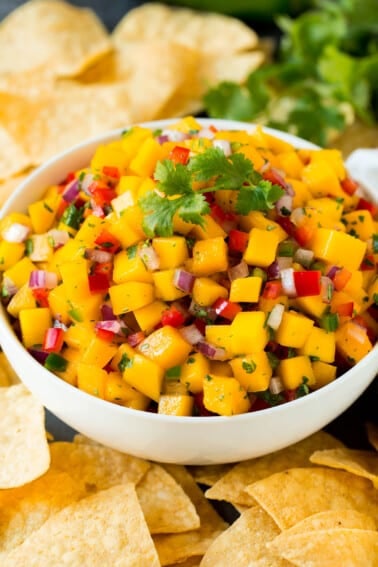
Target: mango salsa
x,y
189,272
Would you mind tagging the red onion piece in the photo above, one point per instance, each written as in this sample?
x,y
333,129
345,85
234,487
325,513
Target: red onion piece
x,y
136,338
41,279
113,326
284,203
326,289
304,257
223,145
275,385
275,316
16,232
241,270
191,334
8,288
357,332
162,139
211,351
183,280
107,313
288,284
149,257
71,191
96,255
332,272
58,237
273,271
175,135
297,216
86,182
39,355
205,133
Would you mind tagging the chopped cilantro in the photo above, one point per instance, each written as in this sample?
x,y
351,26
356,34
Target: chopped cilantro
x,y
131,252
125,362
375,298
375,243
190,360
271,399
173,373
273,360
29,246
47,207
249,367
303,389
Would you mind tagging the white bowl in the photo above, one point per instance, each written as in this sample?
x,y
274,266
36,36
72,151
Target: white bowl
x,y
185,440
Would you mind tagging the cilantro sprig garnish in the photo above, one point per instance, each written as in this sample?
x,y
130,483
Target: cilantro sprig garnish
x,y
175,192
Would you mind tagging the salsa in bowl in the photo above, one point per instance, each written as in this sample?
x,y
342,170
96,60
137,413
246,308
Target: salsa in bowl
x,y
192,271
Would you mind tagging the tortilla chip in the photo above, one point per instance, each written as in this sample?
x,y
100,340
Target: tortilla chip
x,y
24,452
107,528
244,543
9,185
361,463
96,467
331,520
84,440
372,433
7,374
209,474
179,547
328,547
191,562
233,67
13,158
232,486
25,509
297,493
210,33
53,35
166,507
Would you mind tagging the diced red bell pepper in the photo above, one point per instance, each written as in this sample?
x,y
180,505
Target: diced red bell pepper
x,y
225,308
104,268
108,242
368,263
135,338
364,205
213,128
53,340
272,289
303,234
274,177
201,325
101,194
172,317
344,309
180,155
287,225
98,283
41,296
111,171
307,282
61,208
290,395
105,335
349,186
341,278
237,240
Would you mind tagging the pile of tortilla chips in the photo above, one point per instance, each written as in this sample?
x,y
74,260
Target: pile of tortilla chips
x,y
80,503
64,78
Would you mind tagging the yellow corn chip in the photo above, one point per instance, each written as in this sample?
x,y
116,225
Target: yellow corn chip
x,y
105,529
13,158
372,432
53,35
166,507
191,562
25,509
24,452
179,547
209,474
7,374
361,463
294,494
95,466
357,548
232,486
245,543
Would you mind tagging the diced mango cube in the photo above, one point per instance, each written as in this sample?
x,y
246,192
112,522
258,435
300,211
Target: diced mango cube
x,y
126,269
145,160
220,336
150,315
246,289
206,291
10,253
90,229
98,352
19,273
210,256
23,299
324,373
211,229
319,344
294,329
262,247
59,304
91,379
338,248
193,372
144,375
360,223
352,341
34,324
321,179
295,371
253,371
172,251
166,347
129,296
165,289
175,405
79,335
257,219
249,333
224,395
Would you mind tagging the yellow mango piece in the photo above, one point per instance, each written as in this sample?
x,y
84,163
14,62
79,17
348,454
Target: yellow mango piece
x,y
253,371
206,291
88,310
226,199
145,160
129,183
90,230
211,229
91,379
193,372
72,357
172,251
265,140
324,373
319,344
110,155
220,336
14,218
302,194
43,213
75,280
321,179
121,229
132,139
221,367
224,395
79,335
19,273
266,304
312,305
290,163
164,286
118,391
166,347
341,297
180,226
59,304
328,207
333,158
22,299
127,269
186,124
249,334
360,224
251,153
352,342
98,352
262,247
148,184
150,315
256,219
10,254
246,289
294,329
210,256
71,251
129,296
338,248
372,292
293,372
144,375
34,324
176,405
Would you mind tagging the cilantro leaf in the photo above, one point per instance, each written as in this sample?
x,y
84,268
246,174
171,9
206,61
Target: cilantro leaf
x,y
260,197
229,173
193,207
173,179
